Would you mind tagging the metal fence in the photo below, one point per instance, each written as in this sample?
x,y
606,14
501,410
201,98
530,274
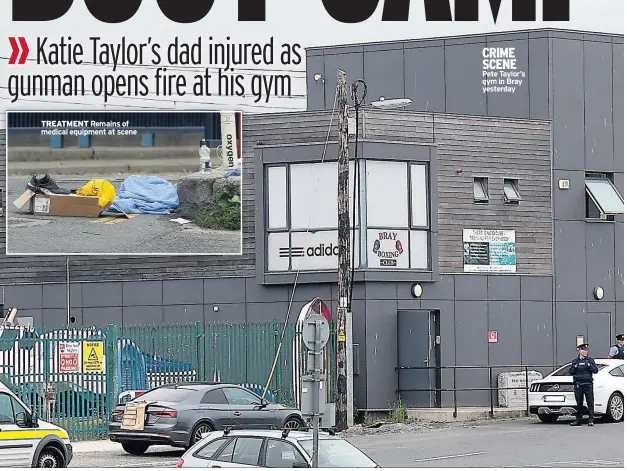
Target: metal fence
x,y
491,389
73,377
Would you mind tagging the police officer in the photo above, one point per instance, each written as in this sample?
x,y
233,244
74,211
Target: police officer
x,y
617,352
581,369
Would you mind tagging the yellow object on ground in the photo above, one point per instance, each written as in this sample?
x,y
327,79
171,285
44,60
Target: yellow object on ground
x,y
103,189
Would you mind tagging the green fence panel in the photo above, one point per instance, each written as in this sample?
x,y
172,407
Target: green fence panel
x,y
73,377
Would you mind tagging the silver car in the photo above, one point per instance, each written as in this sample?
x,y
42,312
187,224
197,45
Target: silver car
x,y
178,415
272,449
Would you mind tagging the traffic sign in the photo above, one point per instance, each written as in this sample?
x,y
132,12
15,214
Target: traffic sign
x,y
312,323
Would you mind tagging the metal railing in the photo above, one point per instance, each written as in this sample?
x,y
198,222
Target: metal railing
x,y
490,389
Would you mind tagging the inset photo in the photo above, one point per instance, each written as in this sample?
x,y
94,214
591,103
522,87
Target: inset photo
x,y
141,183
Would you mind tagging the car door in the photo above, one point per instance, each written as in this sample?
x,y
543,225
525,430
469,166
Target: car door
x,y
246,408
281,454
242,452
16,444
215,407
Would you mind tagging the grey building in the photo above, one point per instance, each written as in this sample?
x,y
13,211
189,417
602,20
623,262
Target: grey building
x,y
502,207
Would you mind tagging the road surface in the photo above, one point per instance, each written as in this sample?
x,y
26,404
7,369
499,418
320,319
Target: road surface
x,y
143,234
518,443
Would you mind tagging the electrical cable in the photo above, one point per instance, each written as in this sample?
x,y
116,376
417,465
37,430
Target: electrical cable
x,y
358,101
289,307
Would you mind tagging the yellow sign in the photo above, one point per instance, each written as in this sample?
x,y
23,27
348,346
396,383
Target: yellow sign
x,y
579,340
341,337
93,357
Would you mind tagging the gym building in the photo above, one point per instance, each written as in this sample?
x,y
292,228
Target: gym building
x,y
488,225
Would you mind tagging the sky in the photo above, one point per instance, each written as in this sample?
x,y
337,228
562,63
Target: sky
x,y
305,22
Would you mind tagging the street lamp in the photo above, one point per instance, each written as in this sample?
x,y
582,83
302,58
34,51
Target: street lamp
x,y
385,104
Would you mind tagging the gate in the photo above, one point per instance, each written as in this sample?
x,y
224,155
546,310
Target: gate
x,y
73,377
61,374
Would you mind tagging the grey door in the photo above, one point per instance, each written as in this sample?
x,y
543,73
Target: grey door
x,y
416,358
599,334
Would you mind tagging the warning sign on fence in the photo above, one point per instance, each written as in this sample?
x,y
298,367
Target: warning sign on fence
x,y
92,357
69,353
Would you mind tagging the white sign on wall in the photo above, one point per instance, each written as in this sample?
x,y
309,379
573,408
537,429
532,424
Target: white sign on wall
x,y
491,251
307,251
388,248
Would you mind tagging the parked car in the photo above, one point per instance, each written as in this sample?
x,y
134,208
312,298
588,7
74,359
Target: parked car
x,y
178,415
26,441
272,449
553,396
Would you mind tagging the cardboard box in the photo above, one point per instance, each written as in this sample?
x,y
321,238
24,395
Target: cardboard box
x,y
65,205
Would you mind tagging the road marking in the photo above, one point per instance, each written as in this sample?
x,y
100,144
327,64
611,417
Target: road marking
x,y
113,219
461,455
159,464
581,463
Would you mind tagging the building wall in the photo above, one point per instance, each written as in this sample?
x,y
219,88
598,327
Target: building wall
x,y
495,148
574,79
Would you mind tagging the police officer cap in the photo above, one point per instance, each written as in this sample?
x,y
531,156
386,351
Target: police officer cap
x,y
620,337
583,346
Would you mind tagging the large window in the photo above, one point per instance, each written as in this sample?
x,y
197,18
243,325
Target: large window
x,y
302,218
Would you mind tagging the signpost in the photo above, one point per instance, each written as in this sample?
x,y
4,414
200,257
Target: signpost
x,y
315,337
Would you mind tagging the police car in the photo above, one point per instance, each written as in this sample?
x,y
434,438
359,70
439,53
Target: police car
x,y
553,396
26,441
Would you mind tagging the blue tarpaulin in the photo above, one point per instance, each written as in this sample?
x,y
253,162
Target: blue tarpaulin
x,y
140,194
236,172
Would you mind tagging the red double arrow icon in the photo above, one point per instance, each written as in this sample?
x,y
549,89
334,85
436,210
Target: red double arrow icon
x,y
20,50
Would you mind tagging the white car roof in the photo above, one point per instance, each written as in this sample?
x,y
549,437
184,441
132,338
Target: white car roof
x,y
294,434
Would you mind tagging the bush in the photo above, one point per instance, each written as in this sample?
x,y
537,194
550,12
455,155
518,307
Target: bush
x,y
398,413
225,214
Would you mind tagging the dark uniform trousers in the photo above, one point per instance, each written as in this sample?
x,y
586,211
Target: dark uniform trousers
x,y
584,390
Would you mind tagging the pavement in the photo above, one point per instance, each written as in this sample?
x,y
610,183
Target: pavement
x,y
142,234
519,443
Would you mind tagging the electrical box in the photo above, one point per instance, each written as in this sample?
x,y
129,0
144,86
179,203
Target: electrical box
x,y
352,126
307,396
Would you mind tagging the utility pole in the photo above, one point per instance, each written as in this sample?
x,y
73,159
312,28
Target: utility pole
x,y
343,242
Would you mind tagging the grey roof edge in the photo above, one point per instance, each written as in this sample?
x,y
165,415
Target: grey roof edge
x,y
537,32
375,112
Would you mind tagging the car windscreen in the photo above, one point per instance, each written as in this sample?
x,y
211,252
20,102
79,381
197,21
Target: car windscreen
x,y
563,371
166,395
338,454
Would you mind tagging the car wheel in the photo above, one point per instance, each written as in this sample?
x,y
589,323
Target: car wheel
x,y
136,449
293,423
50,458
199,431
615,407
548,418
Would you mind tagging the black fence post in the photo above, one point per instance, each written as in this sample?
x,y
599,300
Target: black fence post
x,y
455,391
527,391
491,396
